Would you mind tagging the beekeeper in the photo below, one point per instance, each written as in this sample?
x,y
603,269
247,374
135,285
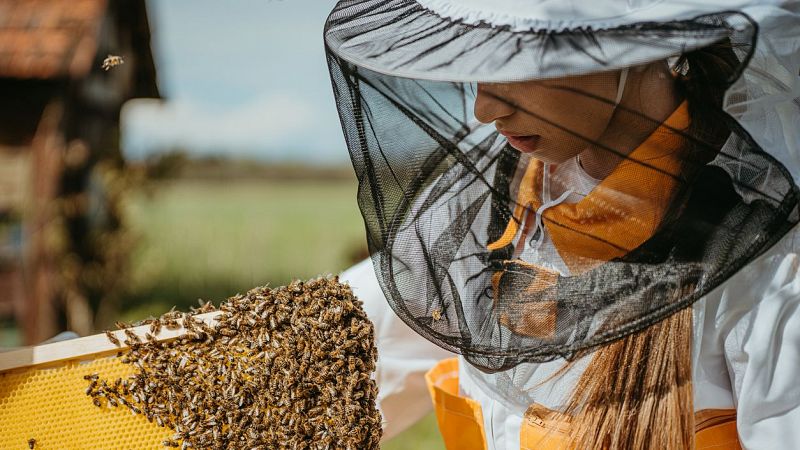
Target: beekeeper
x,y
593,204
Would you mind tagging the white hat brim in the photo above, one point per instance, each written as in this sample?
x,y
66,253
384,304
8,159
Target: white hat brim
x,y
402,38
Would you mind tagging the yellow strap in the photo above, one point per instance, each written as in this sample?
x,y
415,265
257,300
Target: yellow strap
x,y
461,420
719,437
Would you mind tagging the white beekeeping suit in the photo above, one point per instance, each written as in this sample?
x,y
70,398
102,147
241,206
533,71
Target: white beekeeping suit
x,y
544,181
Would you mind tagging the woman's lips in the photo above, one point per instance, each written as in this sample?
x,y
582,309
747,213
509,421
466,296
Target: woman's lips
x,y
525,144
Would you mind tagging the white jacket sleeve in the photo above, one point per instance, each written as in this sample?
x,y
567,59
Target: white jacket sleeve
x,y
761,333
403,355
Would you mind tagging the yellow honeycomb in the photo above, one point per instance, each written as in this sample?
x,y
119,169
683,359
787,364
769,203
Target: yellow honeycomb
x,y
51,406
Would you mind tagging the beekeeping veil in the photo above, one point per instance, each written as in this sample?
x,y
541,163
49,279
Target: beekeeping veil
x,y
487,244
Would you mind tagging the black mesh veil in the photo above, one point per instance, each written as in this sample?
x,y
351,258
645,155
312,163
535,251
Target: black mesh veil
x,y
517,218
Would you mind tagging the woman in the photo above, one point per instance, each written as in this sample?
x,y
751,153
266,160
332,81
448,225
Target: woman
x,y
593,206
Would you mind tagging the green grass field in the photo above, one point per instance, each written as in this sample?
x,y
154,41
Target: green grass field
x,y
212,239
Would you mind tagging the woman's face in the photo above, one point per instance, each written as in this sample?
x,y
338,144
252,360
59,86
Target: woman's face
x,y
553,120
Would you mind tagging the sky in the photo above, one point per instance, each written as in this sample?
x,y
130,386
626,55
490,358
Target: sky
x,y
243,78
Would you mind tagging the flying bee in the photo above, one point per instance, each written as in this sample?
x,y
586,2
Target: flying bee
x,y
112,61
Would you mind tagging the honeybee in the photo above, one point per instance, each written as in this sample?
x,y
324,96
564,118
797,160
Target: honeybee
x,y
132,336
112,61
112,338
155,326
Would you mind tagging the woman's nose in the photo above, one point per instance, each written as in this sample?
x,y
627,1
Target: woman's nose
x,y
490,104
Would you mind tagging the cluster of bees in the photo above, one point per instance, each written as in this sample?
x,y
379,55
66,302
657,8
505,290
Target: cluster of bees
x,y
280,368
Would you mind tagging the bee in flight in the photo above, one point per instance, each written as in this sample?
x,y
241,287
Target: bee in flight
x,y
112,61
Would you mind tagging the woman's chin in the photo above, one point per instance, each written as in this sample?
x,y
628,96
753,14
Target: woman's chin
x,y
532,145
548,157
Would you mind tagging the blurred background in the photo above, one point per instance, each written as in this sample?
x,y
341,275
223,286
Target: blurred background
x,y
209,162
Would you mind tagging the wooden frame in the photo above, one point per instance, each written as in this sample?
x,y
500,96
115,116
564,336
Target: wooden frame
x,y
88,347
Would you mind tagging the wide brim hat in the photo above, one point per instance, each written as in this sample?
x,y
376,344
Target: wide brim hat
x,y
468,40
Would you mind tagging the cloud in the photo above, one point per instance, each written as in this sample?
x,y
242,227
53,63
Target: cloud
x,y
273,126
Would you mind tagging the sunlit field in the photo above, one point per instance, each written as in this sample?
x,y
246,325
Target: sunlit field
x,y
212,239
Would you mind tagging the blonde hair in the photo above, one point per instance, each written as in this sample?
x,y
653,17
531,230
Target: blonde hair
x,y
637,392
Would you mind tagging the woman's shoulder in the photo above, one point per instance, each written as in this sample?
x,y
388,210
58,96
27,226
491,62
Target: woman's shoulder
x,y
772,276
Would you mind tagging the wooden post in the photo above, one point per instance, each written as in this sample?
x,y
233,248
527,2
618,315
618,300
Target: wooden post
x,y
47,148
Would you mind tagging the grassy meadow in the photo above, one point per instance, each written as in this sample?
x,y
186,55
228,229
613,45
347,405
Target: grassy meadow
x,y
210,239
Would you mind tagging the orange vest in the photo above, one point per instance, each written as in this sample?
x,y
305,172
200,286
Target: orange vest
x,y
461,419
